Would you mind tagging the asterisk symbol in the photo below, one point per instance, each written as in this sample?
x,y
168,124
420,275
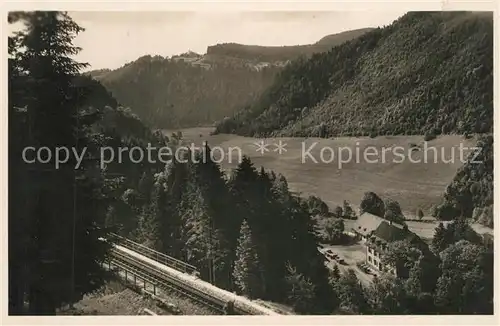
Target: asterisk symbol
x,y
261,147
280,147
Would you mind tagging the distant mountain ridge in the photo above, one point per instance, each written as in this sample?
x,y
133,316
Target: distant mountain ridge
x,y
194,89
283,53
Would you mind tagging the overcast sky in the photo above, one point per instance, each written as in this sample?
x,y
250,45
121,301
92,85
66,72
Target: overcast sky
x,y
112,39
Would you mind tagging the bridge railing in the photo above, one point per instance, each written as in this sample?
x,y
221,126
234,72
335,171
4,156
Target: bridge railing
x,y
155,255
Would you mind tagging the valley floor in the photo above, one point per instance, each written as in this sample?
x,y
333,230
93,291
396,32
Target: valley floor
x,y
414,185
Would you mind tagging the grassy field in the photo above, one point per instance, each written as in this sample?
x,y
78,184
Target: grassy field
x,y
413,185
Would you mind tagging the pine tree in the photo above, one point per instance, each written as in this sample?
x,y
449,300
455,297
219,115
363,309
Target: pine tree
x,y
270,226
203,242
348,211
195,226
243,182
152,220
145,186
66,207
18,191
280,187
176,184
248,275
304,255
439,240
223,222
301,291
208,222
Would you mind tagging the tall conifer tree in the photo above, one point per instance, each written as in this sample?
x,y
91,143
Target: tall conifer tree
x,y
65,207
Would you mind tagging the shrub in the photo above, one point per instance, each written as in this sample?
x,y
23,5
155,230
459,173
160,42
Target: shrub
x,y
446,212
338,212
372,204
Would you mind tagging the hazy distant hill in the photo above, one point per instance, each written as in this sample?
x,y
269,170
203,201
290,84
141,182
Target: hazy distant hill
x,y
428,72
283,53
193,89
99,73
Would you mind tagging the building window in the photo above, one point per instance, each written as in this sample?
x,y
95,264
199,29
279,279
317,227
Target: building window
x,y
370,259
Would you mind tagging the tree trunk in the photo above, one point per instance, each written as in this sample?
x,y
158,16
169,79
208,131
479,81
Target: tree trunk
x,y
16,297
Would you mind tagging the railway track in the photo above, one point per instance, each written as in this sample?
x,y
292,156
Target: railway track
x,y
166,282
153,254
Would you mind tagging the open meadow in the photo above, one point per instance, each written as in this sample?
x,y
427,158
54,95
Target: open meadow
x,y
413,185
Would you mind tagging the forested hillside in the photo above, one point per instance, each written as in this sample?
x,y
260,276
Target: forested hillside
x,y
192,89
470,193
428,72
173,93
116,127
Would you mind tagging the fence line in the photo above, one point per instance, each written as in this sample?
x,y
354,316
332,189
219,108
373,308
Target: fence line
x,y
155,255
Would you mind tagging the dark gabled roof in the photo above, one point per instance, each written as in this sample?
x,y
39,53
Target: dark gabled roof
x,y
366,223
390,232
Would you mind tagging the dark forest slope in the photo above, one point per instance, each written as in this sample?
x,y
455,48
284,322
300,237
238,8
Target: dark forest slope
x,y
428,72
114,121
470,193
